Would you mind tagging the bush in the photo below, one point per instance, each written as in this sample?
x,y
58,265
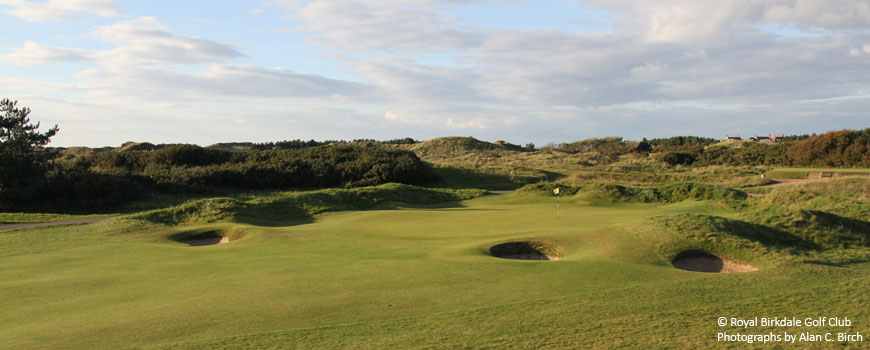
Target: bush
x,y
678,158
755,153
323,166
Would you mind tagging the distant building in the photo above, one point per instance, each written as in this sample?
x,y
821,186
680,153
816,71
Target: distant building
x,y
769,137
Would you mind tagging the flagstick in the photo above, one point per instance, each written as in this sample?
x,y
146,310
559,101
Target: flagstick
x,y
558,194
558,205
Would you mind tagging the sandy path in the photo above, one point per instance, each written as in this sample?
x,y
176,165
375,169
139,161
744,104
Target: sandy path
x,y
53,223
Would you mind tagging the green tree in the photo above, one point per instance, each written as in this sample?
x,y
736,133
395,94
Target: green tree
x,y
22,156
643,146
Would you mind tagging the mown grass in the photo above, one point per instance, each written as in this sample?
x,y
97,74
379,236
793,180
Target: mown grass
x,y
395,266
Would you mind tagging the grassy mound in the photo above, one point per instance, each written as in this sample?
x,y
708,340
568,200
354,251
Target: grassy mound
x,y
297,205
848,196
193,212
136,146
677,234
454,146
670,193
818,227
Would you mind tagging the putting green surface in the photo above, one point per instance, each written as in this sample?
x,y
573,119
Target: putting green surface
x,y
406,278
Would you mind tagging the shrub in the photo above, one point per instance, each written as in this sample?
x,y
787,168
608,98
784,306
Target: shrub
x,y
678,158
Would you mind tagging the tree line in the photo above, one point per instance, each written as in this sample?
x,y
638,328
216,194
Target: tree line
x,y
33,176
299,144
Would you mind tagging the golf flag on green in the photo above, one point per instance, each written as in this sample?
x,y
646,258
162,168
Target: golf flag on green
x,y
556,191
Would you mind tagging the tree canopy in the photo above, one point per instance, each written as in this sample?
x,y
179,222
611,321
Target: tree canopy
x,y
22,157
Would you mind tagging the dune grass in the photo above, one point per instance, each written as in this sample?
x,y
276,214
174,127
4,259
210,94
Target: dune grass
x,y
20,218
397,267
802,173
824,170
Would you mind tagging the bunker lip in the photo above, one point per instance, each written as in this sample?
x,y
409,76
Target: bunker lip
x,y
522,250
701,261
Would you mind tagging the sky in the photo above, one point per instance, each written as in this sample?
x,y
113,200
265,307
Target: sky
x,y
524,71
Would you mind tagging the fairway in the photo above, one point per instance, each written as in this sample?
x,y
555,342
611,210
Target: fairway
x,y
402,277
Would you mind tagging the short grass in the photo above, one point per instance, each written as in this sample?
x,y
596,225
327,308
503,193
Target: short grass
x,y
411,276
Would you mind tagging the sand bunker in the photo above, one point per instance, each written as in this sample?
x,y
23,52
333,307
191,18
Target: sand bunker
x,y
199,239
520,251
205,241
705,262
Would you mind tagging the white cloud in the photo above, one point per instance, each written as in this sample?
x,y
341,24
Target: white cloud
x,y
146,41
32,11
152,63
668,50
831,14
399,25
696,21
32,53
218,82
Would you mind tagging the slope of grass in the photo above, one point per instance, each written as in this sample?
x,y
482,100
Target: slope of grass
x,y
849,196
816,226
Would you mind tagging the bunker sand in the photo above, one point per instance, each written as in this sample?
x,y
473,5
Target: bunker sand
x,y
705,262
205,241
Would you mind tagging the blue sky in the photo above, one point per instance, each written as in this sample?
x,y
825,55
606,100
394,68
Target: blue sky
x,y
204,72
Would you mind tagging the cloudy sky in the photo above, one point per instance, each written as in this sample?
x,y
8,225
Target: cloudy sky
x,y
109,71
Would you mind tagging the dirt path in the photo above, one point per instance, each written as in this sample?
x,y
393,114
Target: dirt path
x,y
53,223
